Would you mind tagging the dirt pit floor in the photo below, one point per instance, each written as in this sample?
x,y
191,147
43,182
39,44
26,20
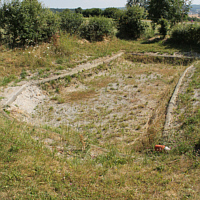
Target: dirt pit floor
x,y
108,105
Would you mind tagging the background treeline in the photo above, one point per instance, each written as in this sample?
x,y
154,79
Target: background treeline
x,y
28,22
193,8
55,10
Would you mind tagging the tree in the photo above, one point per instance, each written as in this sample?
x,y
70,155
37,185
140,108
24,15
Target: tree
x,y
26,22
97,28
163,27
79,10
180,10
92,12
130,22
71,22
172,10
111,12
67,10
96,12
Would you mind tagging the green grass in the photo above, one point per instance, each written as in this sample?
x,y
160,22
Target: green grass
x,y
30,171
5,80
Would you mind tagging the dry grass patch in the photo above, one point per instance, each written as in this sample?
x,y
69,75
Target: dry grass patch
x,y
159,59
79,95
100,82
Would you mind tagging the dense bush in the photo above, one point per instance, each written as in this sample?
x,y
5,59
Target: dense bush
x,y
71,22
96,28
186,34
79,10
163,27
26,22
149,31
195,19
112,13
130,23
92,12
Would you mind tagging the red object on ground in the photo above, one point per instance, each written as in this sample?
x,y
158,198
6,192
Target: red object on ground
x,y
159,147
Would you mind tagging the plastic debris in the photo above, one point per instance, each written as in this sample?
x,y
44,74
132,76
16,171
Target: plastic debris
x,y
167,149
161,148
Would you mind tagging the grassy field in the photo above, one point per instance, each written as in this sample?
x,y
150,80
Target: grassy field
x,y
94,137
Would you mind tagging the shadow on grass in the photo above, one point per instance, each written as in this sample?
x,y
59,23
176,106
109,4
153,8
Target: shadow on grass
x,y
182,47
186,49
152,40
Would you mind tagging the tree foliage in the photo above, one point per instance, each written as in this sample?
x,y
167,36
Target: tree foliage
x,y
92,12
26,22
130,22
97,28
79,10
71,22
172,10
112,13
163,27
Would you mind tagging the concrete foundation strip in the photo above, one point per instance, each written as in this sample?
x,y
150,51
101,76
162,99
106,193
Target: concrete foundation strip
x,y
78,69
172,103
17,93
82,67
164,56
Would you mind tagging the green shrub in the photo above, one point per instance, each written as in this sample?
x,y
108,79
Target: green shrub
x,y
149,31
79,10
92,12
194,19
130,23
23,74
111,12
26,22
68,79
186,34
49,27
163,27
71,22
96,28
